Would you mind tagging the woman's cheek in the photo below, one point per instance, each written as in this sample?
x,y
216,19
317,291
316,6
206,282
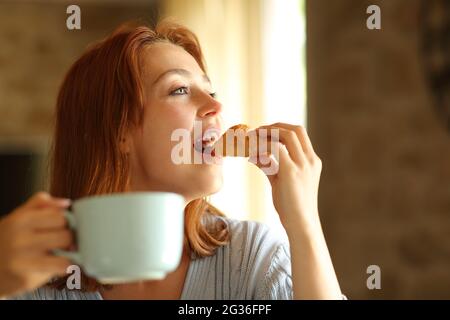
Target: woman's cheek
x,y
181,116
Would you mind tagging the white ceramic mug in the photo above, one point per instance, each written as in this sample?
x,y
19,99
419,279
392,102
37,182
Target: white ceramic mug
x,y
128,236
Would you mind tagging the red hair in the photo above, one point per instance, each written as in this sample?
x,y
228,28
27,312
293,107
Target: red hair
x,y
100,99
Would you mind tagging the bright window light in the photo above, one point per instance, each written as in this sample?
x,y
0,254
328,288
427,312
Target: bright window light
x,y
284,72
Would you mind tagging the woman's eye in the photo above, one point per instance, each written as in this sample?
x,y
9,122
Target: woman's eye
x,y
185,90
179,91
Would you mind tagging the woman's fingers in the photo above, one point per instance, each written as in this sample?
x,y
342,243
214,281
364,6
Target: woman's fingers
x,y
39,219
40,212
45,219
44,241
43,199
302,135
289,138
61,239
42,264
271,163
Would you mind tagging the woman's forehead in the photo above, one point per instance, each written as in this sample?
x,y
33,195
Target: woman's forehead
x,y
160,57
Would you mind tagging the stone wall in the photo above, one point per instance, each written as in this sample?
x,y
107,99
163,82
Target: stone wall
x,y
37,49
385,189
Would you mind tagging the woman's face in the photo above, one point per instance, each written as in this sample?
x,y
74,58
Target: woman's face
x,y
178,97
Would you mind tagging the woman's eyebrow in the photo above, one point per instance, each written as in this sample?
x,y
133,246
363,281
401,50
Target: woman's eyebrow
x,y
182,72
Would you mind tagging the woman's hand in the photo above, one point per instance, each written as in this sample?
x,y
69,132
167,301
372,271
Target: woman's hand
x,y
295,185
295,182
27,236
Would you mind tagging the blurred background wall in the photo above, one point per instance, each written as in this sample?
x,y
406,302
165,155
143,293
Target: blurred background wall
x,y
36,50
364,96
385,188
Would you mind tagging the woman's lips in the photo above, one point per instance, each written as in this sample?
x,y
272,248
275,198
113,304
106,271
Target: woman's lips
x,y
205,147
205,144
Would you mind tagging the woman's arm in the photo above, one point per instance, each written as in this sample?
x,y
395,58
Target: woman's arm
x,y
313,274
295,184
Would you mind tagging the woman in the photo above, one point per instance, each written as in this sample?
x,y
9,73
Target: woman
x,y
116,110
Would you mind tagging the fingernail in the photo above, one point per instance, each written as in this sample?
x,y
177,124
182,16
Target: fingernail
x,y
65,202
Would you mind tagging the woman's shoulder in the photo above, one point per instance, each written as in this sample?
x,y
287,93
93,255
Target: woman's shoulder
x,y
260,260
244,233
255,236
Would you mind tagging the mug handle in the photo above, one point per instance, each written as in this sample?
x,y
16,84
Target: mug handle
x,y
71,255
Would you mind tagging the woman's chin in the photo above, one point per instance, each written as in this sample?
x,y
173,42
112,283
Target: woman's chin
x,y
207,181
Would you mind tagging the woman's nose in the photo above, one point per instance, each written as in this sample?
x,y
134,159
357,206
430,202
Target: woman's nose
x,y
210,107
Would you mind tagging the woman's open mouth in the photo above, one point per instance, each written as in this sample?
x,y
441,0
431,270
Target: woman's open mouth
x,y
205,144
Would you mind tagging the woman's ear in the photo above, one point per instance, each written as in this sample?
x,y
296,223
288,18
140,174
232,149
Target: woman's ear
x,y
125,144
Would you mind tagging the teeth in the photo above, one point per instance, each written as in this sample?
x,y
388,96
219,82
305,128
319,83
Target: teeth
x,y
210,135
207,141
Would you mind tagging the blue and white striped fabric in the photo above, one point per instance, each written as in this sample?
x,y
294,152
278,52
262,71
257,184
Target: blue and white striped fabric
x,y
254,265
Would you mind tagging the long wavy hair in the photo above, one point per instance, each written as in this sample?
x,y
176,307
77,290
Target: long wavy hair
x,y
100,99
